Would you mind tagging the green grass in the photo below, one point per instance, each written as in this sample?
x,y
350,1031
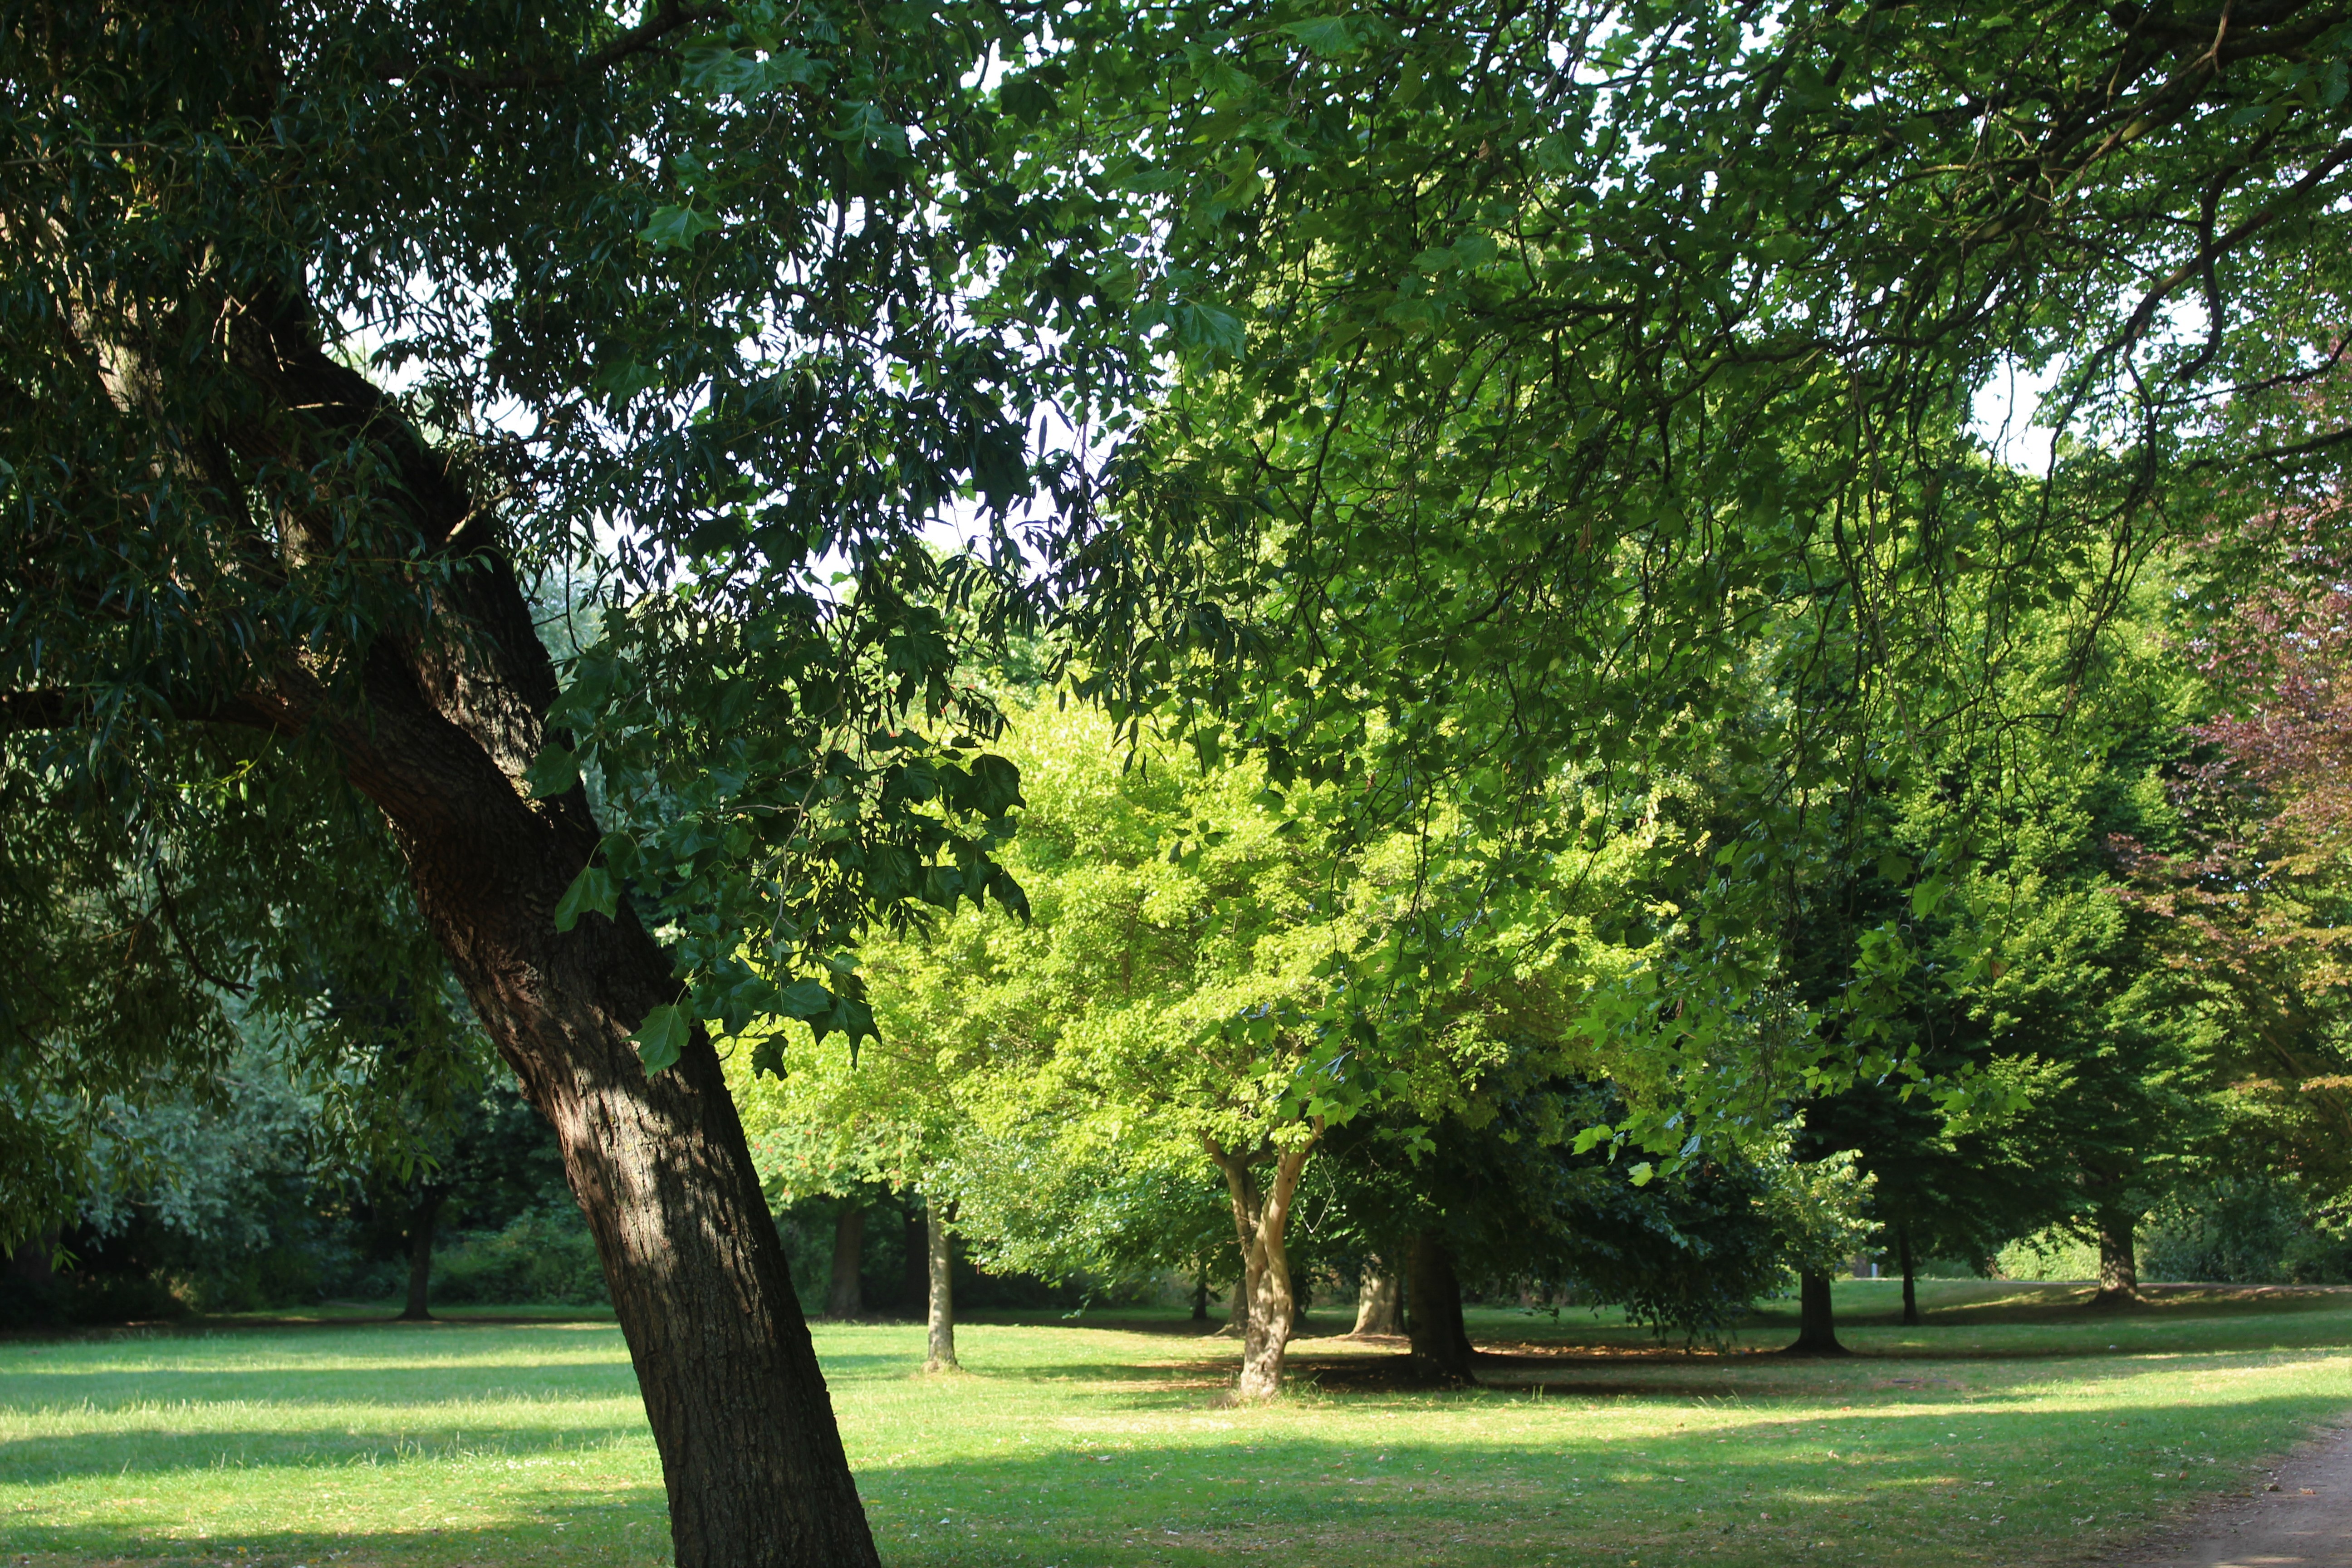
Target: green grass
x,y
2015,1428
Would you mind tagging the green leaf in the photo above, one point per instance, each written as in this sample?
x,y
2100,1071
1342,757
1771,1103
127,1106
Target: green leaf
x,y
1323,34
661,1038
677,229
591,889
1929,895
556,771
804,999
1210,327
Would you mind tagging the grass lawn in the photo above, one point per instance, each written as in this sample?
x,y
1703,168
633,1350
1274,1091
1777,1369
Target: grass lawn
x,y
2014,1429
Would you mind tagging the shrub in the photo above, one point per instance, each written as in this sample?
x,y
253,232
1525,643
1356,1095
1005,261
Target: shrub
x,y
544,1256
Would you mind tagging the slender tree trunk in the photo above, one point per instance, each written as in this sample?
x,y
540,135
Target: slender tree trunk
x,y
845,1297
437,724
941,1279
1378,1308
1910,1278
1441,1346
422,1215
1201,1291
1816,1317
914,1272
1261,1215
2119,1260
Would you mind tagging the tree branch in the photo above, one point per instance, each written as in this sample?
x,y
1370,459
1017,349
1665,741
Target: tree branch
x,y
661,21
73,711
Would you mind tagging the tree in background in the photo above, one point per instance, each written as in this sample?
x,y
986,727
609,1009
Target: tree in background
x,y
1498,1197
848,1125
2250,897
1160,999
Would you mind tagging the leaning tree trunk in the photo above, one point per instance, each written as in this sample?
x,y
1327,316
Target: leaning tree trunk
x,y
1261,1215
937,1239
1910,1278
1377,1301
439,722
2119,1260
845,1297
422,1215
1441,1345
1816,1317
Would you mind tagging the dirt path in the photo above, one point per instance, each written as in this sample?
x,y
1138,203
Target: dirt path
x,y
2305,1520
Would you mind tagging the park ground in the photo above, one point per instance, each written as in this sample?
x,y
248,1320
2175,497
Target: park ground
x,y
2014,1429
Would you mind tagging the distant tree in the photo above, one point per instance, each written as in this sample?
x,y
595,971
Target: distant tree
x,y
2253,897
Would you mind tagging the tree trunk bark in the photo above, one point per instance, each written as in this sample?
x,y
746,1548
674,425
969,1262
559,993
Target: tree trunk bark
x,y
845,1296
1441,1346
1816,1317
1201,1291
1261,1216
1910,1278
941,1279
1237,1307
441,717
422,1215
2119,1260
1377,1303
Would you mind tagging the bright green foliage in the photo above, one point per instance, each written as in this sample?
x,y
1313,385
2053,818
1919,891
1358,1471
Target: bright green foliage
x,y
1182,982
1169,985
1587,389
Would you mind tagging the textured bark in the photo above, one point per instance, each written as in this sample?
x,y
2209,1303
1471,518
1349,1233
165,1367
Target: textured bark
x,y
845,1297
2119,1260
1379,1300
1441,1346
937,1238
1816,1317
1910,1278
444,715
1261,1216
422,1215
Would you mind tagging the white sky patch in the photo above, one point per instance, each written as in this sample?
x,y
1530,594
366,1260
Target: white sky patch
x,y
2003,414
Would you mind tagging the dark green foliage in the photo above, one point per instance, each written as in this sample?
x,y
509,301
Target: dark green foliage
x,y
2247,1231
1521,1211
543,1256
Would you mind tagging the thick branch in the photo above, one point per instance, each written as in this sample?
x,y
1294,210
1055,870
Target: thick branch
x,y
665,19
76,710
